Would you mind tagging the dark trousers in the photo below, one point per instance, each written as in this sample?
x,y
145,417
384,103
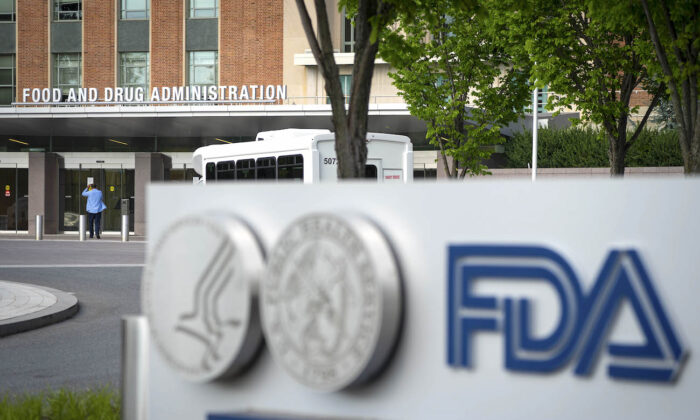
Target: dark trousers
x,y
95,218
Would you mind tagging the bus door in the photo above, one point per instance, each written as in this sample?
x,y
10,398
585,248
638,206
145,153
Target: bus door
x,y
373,168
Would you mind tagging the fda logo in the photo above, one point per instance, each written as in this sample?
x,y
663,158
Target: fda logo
x,y
327,298
581,332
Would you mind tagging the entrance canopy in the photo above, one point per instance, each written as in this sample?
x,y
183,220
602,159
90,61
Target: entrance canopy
x,y
190,121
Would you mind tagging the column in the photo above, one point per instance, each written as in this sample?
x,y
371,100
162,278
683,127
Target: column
x,y
99,67
149,167
33,58
167,43
44,191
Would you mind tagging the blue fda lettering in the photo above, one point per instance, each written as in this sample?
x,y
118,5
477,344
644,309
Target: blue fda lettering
x,y
582,329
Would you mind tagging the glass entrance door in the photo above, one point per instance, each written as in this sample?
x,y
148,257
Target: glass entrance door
x,y
13,198
115,185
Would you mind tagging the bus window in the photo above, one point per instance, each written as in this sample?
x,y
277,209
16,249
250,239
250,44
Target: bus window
x,y
265,168
226,170
371,171
245,169
290,167
210,172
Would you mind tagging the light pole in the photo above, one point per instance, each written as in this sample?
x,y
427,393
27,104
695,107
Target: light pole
x,y
534,135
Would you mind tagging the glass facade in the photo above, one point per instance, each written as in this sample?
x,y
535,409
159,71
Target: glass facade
x,y
7,79
7,11
133,70
115,185
66,72
64,10
203,8
202,68
14,188
134,9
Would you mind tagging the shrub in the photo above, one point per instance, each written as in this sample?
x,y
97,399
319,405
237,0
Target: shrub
x,y
578,147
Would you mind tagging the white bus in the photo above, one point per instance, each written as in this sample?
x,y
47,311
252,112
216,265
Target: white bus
x,y
305,155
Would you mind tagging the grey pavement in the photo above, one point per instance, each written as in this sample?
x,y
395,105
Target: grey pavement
x,y
27,306
24,307
41,282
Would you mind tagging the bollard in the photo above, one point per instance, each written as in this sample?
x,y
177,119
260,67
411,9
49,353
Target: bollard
x,y
39,227
125,228
82,226
134,367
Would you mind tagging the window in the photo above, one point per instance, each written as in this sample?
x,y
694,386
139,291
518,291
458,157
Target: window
x,y
290,167
245,169
542,99
67,10
7,11
542,95
348,34
66,72
203,68
7,79
203,8
371,171
442,35
265,168
424,173
134,9
133,70
346,85
210,172
226,170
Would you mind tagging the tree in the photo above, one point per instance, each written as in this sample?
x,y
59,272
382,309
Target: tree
x,y
371,16
590,61
453,73
674,28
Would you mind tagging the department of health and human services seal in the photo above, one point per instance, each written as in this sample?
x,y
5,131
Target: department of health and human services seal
x,y
331,301
200,296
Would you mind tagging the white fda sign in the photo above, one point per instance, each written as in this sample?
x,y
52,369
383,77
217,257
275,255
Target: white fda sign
x,y
563,299
118,95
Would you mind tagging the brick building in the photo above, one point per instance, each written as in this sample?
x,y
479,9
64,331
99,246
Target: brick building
x,y
122,91
76,95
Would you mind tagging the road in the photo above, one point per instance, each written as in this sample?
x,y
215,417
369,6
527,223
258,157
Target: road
x,y
84,351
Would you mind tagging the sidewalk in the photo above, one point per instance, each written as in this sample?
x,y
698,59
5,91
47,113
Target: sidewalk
x,y
25,307
107,236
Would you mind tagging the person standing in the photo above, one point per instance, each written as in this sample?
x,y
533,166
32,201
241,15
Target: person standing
x,y
94,208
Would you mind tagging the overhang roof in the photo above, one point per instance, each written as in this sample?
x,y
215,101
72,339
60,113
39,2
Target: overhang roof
x,y
189,120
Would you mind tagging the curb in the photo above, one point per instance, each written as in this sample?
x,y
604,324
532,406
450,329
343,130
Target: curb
x,y
65,307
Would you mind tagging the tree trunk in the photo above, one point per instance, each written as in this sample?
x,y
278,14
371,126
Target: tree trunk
x,y
691,160
351,126
684,91
617,153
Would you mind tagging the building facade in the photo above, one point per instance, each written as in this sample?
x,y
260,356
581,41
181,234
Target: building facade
x,y
123,91
77,86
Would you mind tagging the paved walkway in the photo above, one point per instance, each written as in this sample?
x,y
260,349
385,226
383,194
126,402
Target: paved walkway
x,y
18,299
24,307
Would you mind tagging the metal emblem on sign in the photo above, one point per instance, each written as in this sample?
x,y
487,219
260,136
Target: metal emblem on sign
x,y
331,301
200,296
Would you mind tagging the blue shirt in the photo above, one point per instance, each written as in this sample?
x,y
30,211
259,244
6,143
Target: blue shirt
x,y
94,200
